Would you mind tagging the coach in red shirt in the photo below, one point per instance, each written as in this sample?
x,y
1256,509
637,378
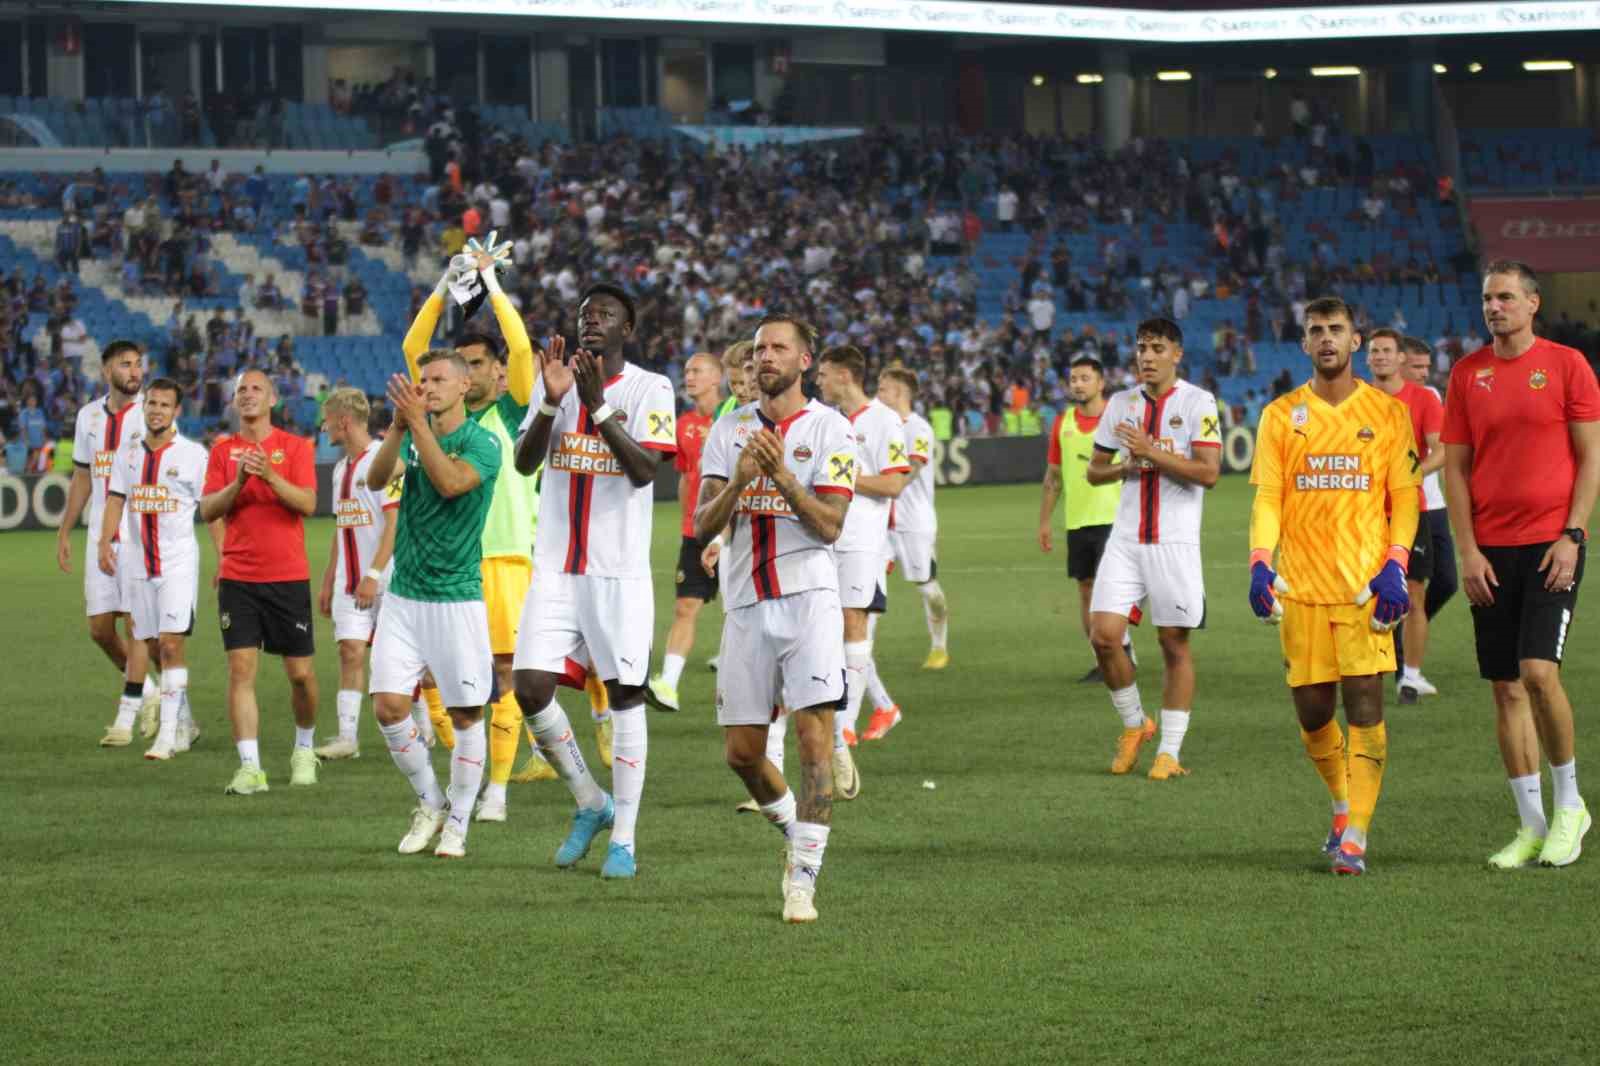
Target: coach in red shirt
x,y
263,482
1522,468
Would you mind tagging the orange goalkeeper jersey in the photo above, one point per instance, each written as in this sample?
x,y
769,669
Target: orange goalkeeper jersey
x,y
1334,469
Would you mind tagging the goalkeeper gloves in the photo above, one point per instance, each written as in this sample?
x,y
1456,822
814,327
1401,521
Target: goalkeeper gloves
x,y
1389,589
1264,585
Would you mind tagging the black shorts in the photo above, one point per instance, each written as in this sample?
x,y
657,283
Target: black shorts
x,y
274,616
1420,567
1085,545
693,583
1526,620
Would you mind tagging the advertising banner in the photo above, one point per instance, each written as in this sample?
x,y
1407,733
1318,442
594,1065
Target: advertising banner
x,y
1552,236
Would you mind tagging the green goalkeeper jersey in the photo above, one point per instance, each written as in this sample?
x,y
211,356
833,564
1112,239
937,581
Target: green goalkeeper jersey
x,y
508,532
438,544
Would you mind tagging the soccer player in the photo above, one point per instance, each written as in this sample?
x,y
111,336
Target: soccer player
x,y
914,526
1329,455
1438,571
103,426
696,584
508,532
358,560
1522,469
158,478
263,482
782,471
1386,358
433,618
739,374
1089,509
882,472
601,427
1162,441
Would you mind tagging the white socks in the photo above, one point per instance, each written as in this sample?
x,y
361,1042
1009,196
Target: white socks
x,y
152,683
780,812
556,742
857,659
174,687
410,755
466,773
1530,803
424,724
305,737
937,613
630,744
249,753
1565,779
875,688
775,733
348,703
671,669
1129,709
807,842
1174,724
1411,673
127,711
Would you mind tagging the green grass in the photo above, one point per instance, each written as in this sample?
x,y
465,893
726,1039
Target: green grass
x,y
1031,908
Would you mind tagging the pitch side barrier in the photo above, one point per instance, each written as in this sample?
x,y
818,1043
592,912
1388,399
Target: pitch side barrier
x,y
36,501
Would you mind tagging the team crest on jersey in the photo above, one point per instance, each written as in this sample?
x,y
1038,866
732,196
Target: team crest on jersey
x,y
1484,378
1365,434
1175,421
802,454
171,471
1538,380
276,456
1300,415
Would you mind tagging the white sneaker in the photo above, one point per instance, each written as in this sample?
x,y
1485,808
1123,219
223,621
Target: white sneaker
x,y
749,806
490,811
711,663
799,904
425,825
161,750
452,844
150,715
846,778
116,737
1423,686
339,748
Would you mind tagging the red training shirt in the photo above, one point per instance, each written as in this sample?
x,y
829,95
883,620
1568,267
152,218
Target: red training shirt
x,y
693,427
265,540
1427,416
1514,413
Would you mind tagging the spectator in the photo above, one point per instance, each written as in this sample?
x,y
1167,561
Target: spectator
x,y
34,431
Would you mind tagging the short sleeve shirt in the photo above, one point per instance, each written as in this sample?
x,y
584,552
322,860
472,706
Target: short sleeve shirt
x,y
265,540
1154,508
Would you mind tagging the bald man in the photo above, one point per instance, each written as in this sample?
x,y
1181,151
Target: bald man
x,y
697,584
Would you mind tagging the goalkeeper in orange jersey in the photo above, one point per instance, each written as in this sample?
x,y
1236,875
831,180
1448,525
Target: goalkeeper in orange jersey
x,y
1336,474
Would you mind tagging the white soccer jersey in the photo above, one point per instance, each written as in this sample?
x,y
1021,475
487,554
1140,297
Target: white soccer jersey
x,y
592,520
770,552
97,438
880,449
1433,484
913,508
1156,509
162,489
358,514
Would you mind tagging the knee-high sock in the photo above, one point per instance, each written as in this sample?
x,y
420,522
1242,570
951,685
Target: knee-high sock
x,y
937,613
1369,750
348,703
554,735
807,842
1325,749
174,690
857,658
410,755
466,774
442,729
629,747
875,688
505,733
775,733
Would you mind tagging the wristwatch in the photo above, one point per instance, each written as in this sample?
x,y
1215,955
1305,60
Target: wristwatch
x,y
1576,535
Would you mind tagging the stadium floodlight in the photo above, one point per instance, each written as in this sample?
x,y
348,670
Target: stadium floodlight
x,y
1473,68
1173,75
1270,73
1038,81
1533,66
1091,79
1440,68
1335,72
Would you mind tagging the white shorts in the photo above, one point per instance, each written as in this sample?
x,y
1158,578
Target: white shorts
x,y
583,619
102,594
162,604
448,640
788,650
914,554
351,622
1169,575
859,577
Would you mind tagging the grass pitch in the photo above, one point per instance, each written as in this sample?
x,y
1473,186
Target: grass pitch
x,y
1027,908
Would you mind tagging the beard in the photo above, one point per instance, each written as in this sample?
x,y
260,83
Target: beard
x,y
779,385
